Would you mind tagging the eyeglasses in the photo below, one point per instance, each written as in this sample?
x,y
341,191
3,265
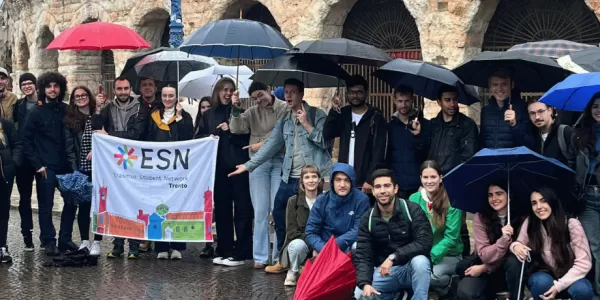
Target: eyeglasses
x,y
357,93
540,112
82,96
24,84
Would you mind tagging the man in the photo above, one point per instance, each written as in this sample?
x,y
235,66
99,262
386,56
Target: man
x,y
8,100
125,118
361,129
26,172
408,142
400,262
502,114
44,146
300,131
337,213
148,98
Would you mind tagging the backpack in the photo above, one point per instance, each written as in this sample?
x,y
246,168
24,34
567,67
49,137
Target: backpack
x,y
403,208
562,143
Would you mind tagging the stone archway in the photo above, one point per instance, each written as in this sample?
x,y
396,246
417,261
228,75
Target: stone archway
x,y
21,53
259,12
43,60
154,27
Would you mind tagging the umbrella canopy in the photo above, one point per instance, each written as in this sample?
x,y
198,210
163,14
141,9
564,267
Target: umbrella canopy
x,y
574,93
236,38
198,84
522,169
426,79
171,66
129,67
552,48
529,73
583,61
343,51
313,71
98,36
76,185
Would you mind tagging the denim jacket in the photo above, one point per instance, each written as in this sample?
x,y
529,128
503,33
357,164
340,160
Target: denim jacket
x,y
314,147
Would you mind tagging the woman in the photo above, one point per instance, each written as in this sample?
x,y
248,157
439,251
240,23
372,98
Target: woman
x,y
493,233
10,158
169,123
295,249
558,247
232,194
78,145
445,222
259,120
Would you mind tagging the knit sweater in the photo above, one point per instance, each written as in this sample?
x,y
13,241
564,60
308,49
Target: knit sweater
x,y
492,255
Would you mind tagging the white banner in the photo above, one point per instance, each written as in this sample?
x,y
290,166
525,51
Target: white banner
x,y
153,191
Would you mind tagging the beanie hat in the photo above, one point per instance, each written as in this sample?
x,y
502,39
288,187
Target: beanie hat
x,y
27,76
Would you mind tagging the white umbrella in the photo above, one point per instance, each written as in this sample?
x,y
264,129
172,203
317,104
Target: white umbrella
x,y
170,66
197,84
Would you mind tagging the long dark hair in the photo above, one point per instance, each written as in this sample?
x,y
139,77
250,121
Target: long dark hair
x,y
215,101
75,119
439,201
585,134
492,222
199,114
556,228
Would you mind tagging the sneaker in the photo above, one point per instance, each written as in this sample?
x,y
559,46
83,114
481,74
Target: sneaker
x,y
51,250
42,246
117,251
291,278
176,255
145,246
258,265
85,244
163,255
95,248
29,244
5,256
275,269
133,253
231,262
218,260
70,246
208,251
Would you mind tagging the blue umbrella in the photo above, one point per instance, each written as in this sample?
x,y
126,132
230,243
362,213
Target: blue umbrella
x,y
522,169
573,93
75,186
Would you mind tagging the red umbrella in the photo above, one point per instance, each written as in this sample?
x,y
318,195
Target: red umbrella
x,y
98,36
330,276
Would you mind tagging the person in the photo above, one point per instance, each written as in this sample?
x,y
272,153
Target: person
x,y
558,247
502,113
446,223
493,233
170,123
394,238
78,146
26,172
361,129
8,100
124,118
258,121
295,248
408,142
148,98
337,213
233,207
44,147
300,131
10,160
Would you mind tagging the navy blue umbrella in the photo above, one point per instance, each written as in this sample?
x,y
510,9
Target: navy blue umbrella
x,y
573,93
75,187
522,169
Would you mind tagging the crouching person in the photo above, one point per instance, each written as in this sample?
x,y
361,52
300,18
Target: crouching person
x,y
394,240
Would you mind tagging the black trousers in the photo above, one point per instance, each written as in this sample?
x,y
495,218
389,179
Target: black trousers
x,y
25,177
6,187
233,211
487,285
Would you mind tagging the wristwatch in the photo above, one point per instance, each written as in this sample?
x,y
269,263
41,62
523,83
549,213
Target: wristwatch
x,y
392,257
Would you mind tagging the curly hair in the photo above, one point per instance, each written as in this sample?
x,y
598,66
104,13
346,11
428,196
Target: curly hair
x,y
74,119
49,77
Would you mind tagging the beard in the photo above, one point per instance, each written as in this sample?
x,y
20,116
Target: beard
x,y
357,102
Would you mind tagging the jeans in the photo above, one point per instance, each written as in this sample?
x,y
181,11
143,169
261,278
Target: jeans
x,y
5,191
416,275
25,177
590,220
487,285
83,222
297,250
264,183
540,282
441,275
285,191
46,188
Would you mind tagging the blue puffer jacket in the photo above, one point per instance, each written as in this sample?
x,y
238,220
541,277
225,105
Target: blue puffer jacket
x,y
495,132
335,215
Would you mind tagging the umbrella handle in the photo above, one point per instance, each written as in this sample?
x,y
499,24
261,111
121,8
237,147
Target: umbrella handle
x,y
528,259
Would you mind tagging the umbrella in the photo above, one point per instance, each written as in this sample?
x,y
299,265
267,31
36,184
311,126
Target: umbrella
x,y
343,51
552,48
313,71
523,170
98,36
198,84
574,93
330,276
529,73
75,186
426,79
584,61
129,69
171,65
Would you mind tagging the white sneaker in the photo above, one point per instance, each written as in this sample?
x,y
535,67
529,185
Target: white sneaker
x,y
163,255
291,278
175,255
230,262
85,244
218,260
95,248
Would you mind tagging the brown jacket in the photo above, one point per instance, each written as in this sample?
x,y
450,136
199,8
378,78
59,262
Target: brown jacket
x,y
296,216
7,105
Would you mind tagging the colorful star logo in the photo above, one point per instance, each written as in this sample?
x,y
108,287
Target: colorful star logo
x,y
125,157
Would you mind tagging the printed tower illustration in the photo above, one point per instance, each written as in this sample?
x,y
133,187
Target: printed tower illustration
x,y
208,211
103,195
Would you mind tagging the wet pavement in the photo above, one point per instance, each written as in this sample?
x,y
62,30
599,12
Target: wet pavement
x,y
144,278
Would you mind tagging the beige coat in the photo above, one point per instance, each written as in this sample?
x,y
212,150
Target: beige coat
x,y
7,105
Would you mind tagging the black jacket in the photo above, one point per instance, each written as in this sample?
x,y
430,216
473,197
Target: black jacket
x,y
11,152
73,147
44,137
530,137
20,115
406,239
454,142
495,132
370,140
182,130
136,120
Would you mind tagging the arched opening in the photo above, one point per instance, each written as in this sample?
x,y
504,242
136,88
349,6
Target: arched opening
x,y
261,13
108,73
154,28
47,60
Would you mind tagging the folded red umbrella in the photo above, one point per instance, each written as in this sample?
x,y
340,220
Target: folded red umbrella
x,y
98,36
330,276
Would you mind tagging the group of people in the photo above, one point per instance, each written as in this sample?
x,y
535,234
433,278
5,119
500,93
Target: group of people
x,y
387,202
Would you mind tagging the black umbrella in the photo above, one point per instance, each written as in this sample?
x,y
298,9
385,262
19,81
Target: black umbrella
x,y
426,79
583,61
313,71
129,69
343,51
529,73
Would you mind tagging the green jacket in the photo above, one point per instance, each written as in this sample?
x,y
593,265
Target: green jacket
x,y
446,240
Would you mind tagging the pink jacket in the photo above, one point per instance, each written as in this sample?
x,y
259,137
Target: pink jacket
x,y
579,245
492,255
